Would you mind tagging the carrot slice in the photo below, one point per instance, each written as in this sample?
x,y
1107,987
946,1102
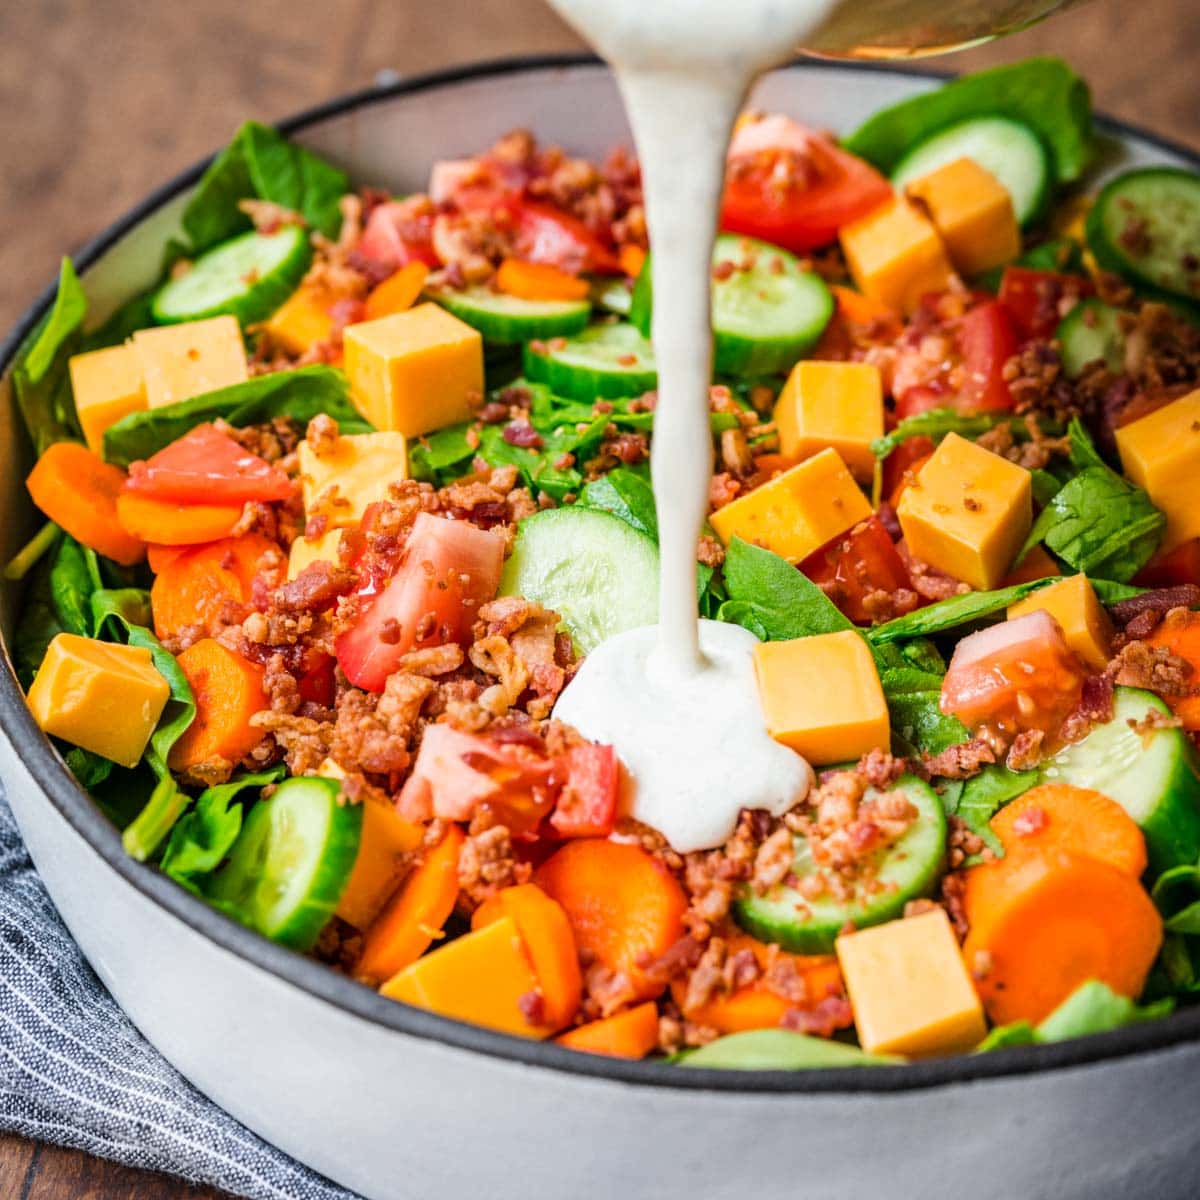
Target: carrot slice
x,y
397,292
158,556
630,1034
80,492
228,690
1078,820
175,524
632,259
1180,634
415,915
539,281
492,909
861,309
625,907
1042,924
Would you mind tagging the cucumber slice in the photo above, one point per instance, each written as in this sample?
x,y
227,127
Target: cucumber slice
x,y
609,361
613,295
906,870
764,318
508,320
598,573
1154,777
248,277
1009,149
1145,224
1090,331
289,866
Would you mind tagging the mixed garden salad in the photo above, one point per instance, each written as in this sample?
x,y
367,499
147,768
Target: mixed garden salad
x,y
335,511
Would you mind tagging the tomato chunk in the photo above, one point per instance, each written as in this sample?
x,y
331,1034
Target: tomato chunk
x,y
861,572
397,233
206,466
1035,300
587,805
448,568
986,340
910,455
545,234
1175,567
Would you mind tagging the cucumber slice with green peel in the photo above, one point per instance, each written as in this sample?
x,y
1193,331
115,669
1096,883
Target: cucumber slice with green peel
x,y
1154,777
1009,149
766,314
605,361
290,863
906,870
247,277
1089,332
1145,225
507,320
597,572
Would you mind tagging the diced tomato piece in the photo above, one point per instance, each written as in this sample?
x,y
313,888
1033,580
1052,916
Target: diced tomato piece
x,y
1034,299
545,234
206,466
587,806
793,187
397,233
924,398
1016,676
986,340
317,684
857,565
1175,567
910,455
448,568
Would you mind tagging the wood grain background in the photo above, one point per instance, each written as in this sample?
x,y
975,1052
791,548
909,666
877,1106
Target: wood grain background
x,y
101,100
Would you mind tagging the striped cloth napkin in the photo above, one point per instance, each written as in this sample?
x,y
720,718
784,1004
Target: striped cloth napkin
x,y
73,1070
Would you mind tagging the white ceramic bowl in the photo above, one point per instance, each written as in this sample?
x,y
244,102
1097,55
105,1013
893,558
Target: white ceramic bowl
x,y
395,1102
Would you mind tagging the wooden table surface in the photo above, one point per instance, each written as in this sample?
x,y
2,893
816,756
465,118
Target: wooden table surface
x,y
104,99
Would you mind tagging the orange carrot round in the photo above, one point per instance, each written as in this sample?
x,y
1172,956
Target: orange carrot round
x,y
398,292
415,914
1059,816
1042,924
158,556
632,259
80,492
539,281
228,690
630,1034
1180,634
625,907
175,524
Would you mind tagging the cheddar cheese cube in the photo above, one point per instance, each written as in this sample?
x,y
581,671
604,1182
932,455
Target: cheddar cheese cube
x,y
415,371
182,361
302,321
973,212
909,988
822,697
1161,453
1074,605
108,386
837,405
482,977
104,697
321,549
967,512
355,471
796,512
895,254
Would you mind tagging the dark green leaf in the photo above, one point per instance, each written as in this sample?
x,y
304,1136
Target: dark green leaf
x,y
90,770
1108,592
983,796
937,422
1045,486
131,606
1177,895
37,626
74,576
913,704
952,613
924,655
625,495
438,457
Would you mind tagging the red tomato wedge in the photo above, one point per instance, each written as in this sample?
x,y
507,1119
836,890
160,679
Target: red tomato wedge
x,y
447,570
545,234
1172,569
856,566
397,233
587,805
911,454
793,187
1034,299
986,340
206,466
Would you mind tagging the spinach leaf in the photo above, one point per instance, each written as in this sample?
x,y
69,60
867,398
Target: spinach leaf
x,y
135,314
983,796
74,576
1044,93
37,626
438,457
952,612
40,379
262,163
924,655
937,422
625,495
918,723
89,769
1045,486
130,606
300,394
1108,592
1177,896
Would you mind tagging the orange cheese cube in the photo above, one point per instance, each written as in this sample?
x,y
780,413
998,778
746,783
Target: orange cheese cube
x,y
354,472
910,989
1161,453
415,371
822,697
967,512
108,386
836,405
102,696
796,512
182,361
1074,605
973,212
323,549
895,254
481,977
302,321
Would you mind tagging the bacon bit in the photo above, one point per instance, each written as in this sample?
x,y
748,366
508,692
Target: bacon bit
x,y
822,1020
521,433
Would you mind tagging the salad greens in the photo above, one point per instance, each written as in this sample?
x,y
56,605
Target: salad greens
x,y
937,422
781,1050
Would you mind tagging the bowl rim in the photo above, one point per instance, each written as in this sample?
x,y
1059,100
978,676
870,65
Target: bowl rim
x,y
316,979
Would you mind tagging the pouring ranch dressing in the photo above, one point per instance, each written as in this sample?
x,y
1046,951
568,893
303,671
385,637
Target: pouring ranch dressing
x,y
679,700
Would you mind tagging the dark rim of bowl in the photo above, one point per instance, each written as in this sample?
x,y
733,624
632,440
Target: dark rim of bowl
x,y
74,804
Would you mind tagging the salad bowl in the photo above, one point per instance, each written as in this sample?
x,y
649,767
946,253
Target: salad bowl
x,y
392,1101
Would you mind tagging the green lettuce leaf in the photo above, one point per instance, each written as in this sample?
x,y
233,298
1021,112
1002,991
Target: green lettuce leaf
x,y
918,723
937,422
953,612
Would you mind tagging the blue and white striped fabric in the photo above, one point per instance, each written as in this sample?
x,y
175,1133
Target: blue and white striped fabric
x,y
73,1070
